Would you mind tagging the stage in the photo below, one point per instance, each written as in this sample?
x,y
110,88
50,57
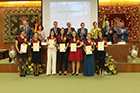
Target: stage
x,y
120,83
7,67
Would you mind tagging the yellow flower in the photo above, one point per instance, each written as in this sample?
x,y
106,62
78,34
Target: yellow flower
x,y
39,65
111,63
111,67
32,64
38,41
91,43
64,38
54,38
40,70
29,66
106,64
77,41
25,39
29,58
22,67
114,71
112,60
26,63
31,69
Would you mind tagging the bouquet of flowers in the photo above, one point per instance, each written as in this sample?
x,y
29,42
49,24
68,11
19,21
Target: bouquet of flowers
x,y
110,66
30,67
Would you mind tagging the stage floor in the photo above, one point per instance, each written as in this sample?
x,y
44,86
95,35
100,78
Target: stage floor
x,y
120,83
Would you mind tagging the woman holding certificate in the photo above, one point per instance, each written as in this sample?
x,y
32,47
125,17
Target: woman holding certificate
x,y
101,44
21,47
75,54
62,44
36,52
52,53
89,56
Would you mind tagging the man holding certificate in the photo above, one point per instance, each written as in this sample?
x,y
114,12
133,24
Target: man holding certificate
x,y
51,54
62,44
21,43
89,56
75,54
36,53
101,44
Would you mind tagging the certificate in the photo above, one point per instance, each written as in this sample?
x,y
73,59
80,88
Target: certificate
x,y
36,47
62,48
73,47
51,42
100,46
88,49
23,48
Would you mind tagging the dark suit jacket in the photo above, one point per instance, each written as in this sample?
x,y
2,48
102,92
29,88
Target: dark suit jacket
x,y
120,34
57,31
109,36
79,33
28,32
66,31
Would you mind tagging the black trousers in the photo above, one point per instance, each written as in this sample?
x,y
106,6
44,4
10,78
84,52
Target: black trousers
x,y
63,57
101,58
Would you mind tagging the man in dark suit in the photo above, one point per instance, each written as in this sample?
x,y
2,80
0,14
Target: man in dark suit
x,y
108,32
82,32
28,30
55,28
69,30
122,33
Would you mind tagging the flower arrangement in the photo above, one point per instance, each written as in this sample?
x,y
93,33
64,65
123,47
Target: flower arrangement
x,y
110,66
30,67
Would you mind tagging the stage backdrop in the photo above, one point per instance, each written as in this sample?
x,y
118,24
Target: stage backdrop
x,y
13,20
74,11
128,14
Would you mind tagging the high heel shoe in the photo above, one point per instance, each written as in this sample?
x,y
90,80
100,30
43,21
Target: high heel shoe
x,y
65,73
77,74
60,73
20,75
24,75
72,74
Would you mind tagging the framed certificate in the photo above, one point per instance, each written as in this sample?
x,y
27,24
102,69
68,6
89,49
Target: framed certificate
x,y
51,42
62,48
36,47
23,48
100,46
73,47
88,49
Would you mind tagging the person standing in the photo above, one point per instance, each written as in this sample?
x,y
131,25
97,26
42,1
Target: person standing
x,y
63,56
56,29
51,54
28,31
21,57
75,56
36,55
89,58
82,32
41,33
122,33
108,32
69,30
101,53
94,31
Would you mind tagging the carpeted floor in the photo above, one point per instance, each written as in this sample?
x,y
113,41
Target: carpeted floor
x,y
121,83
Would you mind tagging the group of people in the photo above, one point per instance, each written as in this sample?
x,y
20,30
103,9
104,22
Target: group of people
x,y
67,36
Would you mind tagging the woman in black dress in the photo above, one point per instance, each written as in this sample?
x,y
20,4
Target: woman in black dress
x,y
36,58
21,57
63,56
